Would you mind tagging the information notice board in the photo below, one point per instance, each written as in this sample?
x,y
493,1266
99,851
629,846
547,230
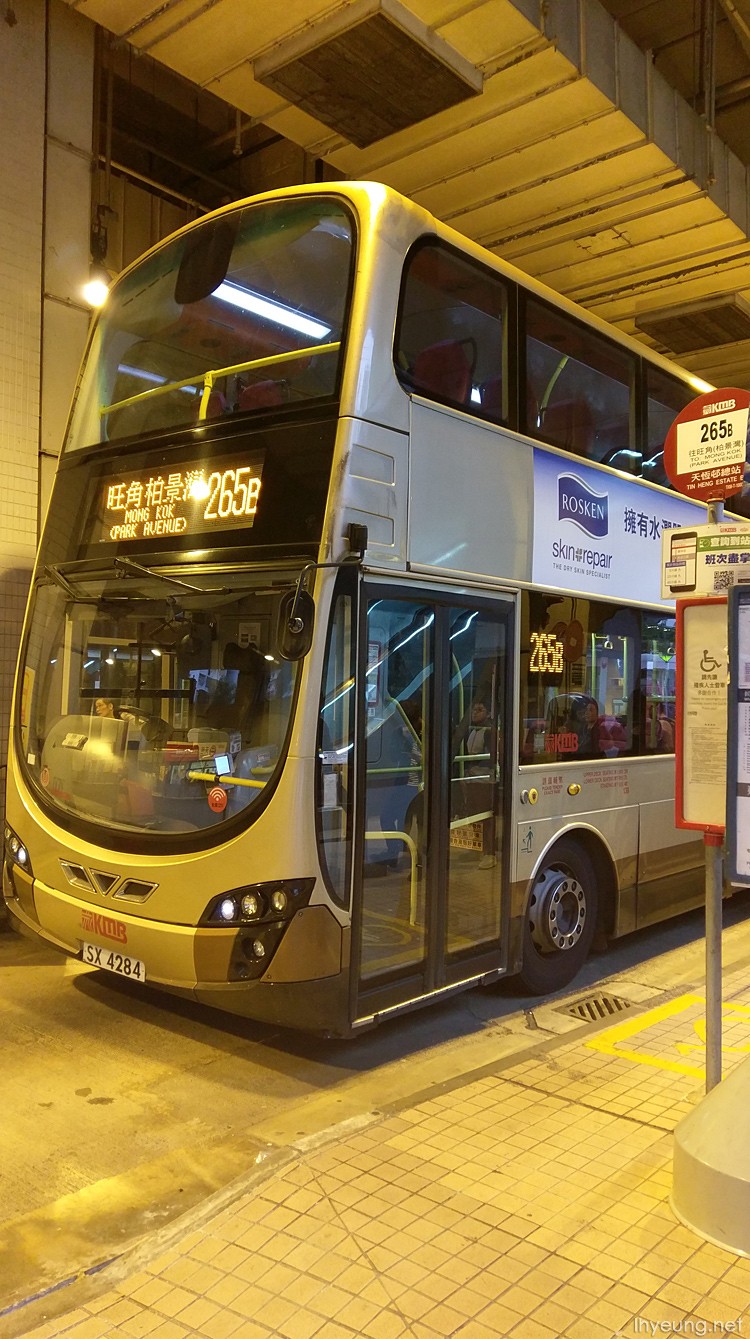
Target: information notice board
x,y
738,762
701,737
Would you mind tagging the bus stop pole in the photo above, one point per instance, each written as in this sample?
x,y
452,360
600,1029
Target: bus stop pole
x,y
712,845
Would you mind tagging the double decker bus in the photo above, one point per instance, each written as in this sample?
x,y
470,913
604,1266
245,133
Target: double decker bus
x,y
346,681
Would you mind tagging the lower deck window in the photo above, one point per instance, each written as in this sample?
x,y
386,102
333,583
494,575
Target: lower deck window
x,y
597,680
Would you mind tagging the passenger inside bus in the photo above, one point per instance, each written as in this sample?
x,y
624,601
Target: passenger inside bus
x,y
598,734
473,749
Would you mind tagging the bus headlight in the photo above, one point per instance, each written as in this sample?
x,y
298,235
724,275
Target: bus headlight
x,y
279,901
16,854
252,906
259,903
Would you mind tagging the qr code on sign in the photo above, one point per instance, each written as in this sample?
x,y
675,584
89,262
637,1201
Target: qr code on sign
x,y
723,580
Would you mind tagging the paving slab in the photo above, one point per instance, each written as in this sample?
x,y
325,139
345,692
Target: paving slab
x,y
526,1197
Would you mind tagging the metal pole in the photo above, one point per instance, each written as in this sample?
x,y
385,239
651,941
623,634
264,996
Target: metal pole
x,y
713,842
715,513
712,845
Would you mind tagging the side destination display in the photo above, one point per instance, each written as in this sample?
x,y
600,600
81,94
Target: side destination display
x,y
194,499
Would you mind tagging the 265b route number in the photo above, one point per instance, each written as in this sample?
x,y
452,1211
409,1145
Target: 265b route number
x,y
232,494
717,429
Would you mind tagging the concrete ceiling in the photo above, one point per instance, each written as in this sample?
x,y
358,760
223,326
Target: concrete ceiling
x,y
579,162
671,31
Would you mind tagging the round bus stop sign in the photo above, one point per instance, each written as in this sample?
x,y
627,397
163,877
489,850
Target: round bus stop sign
x,y
706,447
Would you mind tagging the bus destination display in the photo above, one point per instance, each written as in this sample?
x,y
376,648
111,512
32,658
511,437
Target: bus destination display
x,y
547,654
193,500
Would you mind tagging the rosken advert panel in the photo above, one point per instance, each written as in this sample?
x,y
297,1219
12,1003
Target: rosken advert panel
x,y
601,533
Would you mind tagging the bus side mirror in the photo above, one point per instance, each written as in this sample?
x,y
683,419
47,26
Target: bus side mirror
x,y
295,633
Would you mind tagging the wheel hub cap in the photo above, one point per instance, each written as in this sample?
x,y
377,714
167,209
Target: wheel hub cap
x,y
557,911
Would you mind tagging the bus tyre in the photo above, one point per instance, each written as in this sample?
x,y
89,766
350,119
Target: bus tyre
x,y
560,919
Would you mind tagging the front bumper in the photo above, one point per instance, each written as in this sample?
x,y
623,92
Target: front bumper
x,y
303,986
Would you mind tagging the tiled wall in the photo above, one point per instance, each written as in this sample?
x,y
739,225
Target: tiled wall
x,y
45,154
22,110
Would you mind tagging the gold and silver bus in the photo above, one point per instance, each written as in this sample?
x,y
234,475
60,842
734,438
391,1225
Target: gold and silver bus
x,y
346,681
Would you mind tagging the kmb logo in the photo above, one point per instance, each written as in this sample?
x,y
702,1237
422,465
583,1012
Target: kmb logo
x,y
105,926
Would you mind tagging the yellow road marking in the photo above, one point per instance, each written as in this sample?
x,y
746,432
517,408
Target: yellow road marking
x,y
607,1042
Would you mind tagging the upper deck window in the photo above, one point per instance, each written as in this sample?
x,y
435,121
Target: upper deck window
x,y
451,336
665,397
244,312
579,389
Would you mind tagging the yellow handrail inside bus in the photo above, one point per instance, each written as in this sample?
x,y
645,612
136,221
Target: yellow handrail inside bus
x,y
207,379
225,780
545,399
473,818
386,771
412,847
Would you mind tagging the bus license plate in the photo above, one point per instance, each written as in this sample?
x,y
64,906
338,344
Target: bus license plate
x,y
111,961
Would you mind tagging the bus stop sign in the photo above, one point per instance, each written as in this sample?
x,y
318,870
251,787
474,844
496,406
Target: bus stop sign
x,y
705,448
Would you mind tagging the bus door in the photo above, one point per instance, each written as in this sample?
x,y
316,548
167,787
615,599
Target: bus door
x,y
434,732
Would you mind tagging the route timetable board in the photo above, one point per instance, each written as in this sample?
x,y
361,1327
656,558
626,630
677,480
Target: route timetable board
x,y
701,717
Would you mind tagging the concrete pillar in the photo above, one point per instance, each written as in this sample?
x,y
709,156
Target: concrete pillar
x,y
46,58
67,214
22,105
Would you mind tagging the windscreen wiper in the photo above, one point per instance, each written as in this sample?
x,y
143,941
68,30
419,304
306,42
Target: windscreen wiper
x,y
53,573
128,564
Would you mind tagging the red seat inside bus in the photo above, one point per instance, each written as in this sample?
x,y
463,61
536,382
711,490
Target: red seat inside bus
x,y
443,369
261,395
492,396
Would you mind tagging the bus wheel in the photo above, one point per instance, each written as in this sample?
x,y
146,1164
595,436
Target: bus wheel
x,y
560,919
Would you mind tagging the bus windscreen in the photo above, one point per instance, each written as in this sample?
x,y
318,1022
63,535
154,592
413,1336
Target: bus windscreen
x,y
153,710
242,313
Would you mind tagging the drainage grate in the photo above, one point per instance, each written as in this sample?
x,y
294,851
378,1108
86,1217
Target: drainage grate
x,y
594,1007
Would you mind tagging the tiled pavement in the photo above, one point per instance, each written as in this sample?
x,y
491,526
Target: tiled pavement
x,y
530,1202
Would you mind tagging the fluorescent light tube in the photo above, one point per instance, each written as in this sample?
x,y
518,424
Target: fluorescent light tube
x,y
152,376
271,311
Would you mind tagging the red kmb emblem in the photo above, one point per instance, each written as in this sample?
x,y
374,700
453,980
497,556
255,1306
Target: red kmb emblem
x,y
106,926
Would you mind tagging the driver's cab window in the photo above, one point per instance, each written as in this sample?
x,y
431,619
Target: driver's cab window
x,y
579,389
163,714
